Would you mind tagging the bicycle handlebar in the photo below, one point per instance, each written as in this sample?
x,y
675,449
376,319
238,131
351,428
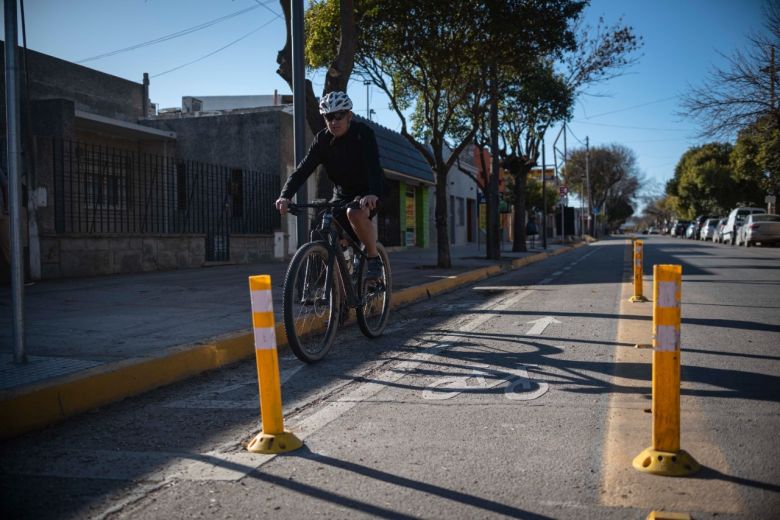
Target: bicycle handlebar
x,y
294,208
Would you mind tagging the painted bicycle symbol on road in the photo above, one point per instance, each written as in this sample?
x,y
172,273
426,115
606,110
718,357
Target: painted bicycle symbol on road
x,y
519,386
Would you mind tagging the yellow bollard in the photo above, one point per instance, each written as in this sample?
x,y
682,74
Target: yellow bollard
x,y
638,252
273,438
665,457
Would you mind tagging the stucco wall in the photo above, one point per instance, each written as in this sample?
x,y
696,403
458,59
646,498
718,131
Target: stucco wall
x,y
90,90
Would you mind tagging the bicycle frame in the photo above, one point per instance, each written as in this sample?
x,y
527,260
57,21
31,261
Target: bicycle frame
x,y
332,232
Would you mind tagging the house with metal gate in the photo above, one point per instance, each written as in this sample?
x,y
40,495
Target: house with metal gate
x,y
105,193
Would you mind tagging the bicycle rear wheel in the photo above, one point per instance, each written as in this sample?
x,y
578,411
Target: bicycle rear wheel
x,y
311,317
372,316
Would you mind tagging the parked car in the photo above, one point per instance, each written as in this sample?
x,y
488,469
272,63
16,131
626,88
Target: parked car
x,y
717,235
699,222
708,229
760,228
690,230
735,220
678,229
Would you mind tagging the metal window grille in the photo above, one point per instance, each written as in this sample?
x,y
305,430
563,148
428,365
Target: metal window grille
x,y
99,189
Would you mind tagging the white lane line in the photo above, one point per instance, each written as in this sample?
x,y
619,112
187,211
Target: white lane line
x,y
217,465
545,281
207,403
557,273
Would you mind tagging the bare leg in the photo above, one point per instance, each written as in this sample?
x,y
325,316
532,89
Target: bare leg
x,y
363,228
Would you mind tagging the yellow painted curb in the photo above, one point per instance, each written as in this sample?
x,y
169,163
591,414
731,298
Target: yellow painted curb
x,y
39,405
50,402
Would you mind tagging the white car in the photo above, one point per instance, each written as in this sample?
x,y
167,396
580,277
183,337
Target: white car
x,y
708,229
760,228
736,218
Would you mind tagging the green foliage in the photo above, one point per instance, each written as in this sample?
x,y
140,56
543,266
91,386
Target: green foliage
x,y
756,160
321,25
704,181
533,194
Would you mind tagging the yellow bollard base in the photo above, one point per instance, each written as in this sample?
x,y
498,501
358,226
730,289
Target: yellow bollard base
x,y
635,299
670,464
274,443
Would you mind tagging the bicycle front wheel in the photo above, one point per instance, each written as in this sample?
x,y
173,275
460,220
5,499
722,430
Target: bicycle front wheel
x,y
312,302
372,316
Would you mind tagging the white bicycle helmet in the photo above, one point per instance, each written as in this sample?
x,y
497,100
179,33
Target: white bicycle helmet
x,y
335,101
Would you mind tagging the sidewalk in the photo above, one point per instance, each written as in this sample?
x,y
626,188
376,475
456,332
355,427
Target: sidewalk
x,y
92,341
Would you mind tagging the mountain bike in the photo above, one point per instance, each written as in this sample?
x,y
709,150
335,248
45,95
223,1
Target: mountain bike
x,y
325,279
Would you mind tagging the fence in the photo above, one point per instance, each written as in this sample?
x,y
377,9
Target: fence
x,y
99,189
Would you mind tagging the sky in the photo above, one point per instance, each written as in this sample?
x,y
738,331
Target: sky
x,y
236,55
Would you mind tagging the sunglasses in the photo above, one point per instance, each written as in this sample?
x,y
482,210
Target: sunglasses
x,y
336,116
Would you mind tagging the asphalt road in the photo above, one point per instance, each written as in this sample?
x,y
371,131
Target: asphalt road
x,y
521,396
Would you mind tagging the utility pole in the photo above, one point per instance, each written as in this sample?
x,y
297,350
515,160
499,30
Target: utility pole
x,y
544,199
563,211
587,180
14,154
299,107
367,83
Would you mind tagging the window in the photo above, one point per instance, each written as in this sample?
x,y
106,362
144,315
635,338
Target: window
x,y
461,211
106,177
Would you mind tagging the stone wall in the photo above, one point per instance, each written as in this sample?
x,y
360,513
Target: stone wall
x,y
77,255
248,249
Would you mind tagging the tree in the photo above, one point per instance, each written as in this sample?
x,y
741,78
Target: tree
x,y
743,91
614,179
659,211
755,160
340,63
543,93
429,59
703,183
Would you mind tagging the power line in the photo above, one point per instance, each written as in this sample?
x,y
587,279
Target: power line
x,y
212,53
635,127
177,34
633,107
568,129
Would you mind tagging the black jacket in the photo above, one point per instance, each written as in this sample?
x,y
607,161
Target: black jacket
x,y
351,162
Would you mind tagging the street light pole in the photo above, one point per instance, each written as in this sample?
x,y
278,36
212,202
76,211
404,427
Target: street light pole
x,y
299,106
14,158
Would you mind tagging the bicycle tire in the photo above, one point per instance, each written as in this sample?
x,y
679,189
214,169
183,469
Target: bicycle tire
x,y
372,316
309,321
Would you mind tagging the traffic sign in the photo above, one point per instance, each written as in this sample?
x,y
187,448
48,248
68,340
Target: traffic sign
x,y
769,199
563,190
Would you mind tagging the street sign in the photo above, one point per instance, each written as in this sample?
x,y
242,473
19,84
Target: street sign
x,y
563,190
769,199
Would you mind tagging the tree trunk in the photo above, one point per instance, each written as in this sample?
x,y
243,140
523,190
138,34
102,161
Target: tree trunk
x,y
337,77
493,232
442,229
519,240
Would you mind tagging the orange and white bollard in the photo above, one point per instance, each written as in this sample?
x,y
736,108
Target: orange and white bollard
x,y
638,259
665,457
273,438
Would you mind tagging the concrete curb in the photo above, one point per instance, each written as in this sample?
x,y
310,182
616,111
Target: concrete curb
x,y
40,405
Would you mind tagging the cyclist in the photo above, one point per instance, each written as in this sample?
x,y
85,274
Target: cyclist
x,y
348,151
